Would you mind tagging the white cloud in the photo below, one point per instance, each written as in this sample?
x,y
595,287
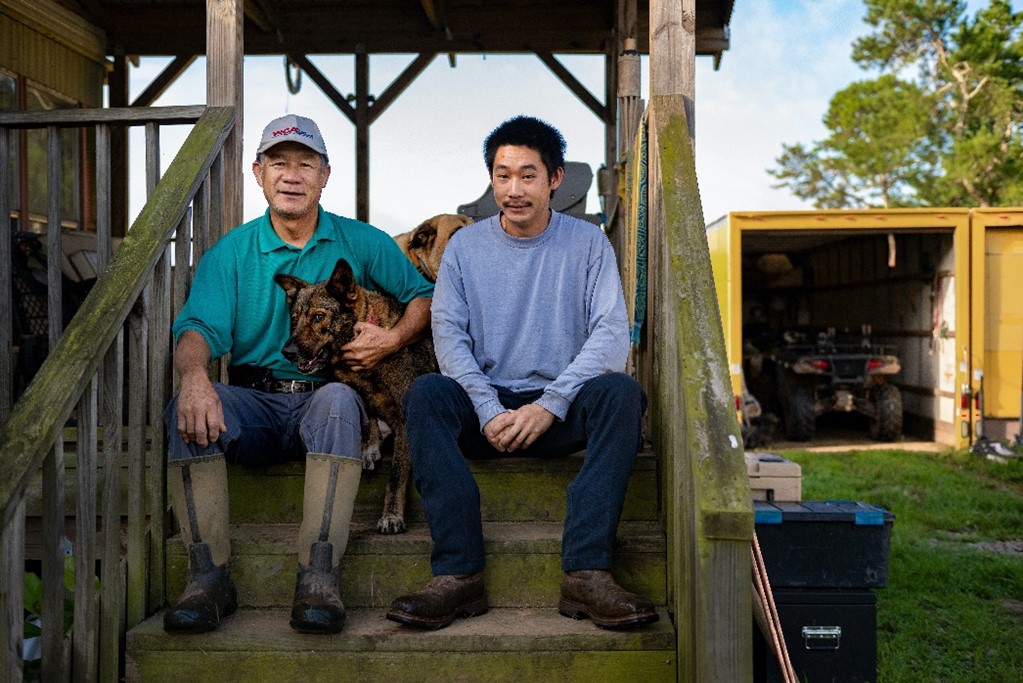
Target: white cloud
x,y
787,59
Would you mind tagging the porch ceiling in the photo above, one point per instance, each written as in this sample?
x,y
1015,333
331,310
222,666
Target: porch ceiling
x,y
177,27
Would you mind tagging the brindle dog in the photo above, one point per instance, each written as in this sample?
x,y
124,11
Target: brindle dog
x,y
323,318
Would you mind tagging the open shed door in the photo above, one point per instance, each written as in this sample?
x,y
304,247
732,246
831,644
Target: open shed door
x,y
997,311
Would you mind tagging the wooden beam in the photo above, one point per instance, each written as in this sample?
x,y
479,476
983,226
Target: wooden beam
x,y
362,136
577,88
163,80
608,176
673,52
118,91
225,50
434,14
339,100
399,84
12,593
7,137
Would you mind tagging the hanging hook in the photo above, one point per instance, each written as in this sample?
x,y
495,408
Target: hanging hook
x,y
292,75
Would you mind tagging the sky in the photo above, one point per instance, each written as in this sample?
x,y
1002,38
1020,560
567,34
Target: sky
x,y
787,59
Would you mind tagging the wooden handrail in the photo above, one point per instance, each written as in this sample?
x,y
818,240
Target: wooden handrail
x,y
26,435
707,502
128,309
76,118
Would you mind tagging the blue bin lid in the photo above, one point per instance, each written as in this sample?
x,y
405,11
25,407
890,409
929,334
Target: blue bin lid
x,y
859,513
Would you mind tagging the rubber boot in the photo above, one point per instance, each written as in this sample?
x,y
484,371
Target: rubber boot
x,y
199,495
331,483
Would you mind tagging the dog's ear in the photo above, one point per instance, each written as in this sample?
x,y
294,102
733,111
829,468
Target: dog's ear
x,y
342,285
291,285
452,223
424,235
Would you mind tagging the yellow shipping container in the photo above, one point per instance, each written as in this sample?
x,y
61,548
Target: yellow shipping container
x,y
900,277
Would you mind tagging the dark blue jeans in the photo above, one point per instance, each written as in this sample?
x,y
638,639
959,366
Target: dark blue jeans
x,y
443,431
265,428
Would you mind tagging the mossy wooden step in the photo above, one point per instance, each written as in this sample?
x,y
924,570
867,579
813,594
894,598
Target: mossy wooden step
x,y
523,563
511,489
504,644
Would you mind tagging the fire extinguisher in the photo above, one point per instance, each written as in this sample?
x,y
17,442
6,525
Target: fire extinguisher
x,y
965,399
978,406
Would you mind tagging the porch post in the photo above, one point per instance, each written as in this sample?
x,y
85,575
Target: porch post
x,y
710,522
673,53
362,104
225,52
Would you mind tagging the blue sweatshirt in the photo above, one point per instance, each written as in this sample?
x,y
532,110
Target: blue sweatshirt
x,y
540,313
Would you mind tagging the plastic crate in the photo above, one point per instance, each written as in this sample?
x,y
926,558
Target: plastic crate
x,y
824,544
830,634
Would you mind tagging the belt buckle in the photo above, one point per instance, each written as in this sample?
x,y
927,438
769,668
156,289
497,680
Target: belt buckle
x,y
293,386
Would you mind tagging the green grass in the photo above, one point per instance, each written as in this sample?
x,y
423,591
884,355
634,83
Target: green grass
x,y
953,607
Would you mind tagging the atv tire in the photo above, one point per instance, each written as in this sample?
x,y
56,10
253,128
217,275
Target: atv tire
x,y
799,418
886,425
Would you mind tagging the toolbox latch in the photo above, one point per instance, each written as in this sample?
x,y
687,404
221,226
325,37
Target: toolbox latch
x,y
822,637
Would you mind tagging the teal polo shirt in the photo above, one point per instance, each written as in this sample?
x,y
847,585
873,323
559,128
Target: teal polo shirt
x,y
237,307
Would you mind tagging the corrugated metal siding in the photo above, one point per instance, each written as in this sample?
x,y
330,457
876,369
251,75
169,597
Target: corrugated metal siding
x,y
53,49
1003,321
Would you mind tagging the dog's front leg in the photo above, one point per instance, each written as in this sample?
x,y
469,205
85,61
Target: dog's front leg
x,y
393,519
376,432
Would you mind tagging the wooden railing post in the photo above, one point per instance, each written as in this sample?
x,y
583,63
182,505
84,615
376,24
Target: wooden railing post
x,y
708,497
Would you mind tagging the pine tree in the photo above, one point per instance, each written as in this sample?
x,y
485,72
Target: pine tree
x,y
940,125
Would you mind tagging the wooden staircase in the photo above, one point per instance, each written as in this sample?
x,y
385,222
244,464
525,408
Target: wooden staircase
x,y
521,638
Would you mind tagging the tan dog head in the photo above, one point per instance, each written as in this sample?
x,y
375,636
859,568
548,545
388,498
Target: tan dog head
x,y
425,245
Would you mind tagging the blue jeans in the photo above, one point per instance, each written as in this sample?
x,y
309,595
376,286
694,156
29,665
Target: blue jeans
x,y
264,428
443,430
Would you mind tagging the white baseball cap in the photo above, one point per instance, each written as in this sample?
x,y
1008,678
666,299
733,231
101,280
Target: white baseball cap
x,y
292,128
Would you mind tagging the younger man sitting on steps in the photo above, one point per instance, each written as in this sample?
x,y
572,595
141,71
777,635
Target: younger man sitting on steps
x,y
531,334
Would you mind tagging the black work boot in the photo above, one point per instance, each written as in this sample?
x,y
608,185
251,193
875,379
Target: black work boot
x,y
318,607
331,483
208,597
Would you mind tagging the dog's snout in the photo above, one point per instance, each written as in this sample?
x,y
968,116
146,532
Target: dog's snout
x,y
290,350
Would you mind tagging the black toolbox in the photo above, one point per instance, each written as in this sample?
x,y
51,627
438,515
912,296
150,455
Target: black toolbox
x,y
830,635
824,544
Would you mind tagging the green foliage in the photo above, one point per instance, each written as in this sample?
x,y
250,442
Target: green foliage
x,y
34,595
953,607
34,604
942,123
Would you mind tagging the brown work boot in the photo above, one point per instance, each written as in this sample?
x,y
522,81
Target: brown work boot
x,y
441,601
594,593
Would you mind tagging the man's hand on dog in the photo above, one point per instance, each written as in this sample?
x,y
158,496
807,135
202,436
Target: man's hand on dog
x,y
515,429
371,345
200,414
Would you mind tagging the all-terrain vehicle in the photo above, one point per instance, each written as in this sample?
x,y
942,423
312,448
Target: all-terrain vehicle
x,y
852,375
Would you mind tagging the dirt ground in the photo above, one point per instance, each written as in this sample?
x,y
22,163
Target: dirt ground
x,y
837,432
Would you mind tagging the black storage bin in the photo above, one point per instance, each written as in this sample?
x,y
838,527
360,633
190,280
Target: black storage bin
x,y
824,544
831,636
